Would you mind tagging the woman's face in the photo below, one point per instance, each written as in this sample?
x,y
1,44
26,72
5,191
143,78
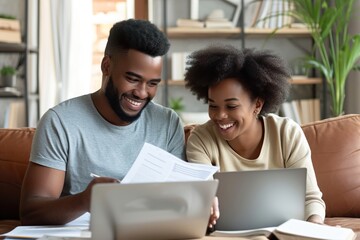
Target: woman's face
x,y
232,109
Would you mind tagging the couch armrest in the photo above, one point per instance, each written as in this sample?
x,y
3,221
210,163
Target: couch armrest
x,y
335,147
15,146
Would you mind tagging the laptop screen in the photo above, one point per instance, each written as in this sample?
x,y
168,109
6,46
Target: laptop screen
x,y
260,198
165,210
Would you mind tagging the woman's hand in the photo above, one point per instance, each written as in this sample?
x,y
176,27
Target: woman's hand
x,y
315,219
214,213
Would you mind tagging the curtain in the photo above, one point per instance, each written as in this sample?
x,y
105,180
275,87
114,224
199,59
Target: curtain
x,y
65,50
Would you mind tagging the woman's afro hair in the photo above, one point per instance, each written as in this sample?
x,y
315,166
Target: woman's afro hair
x,y
263,74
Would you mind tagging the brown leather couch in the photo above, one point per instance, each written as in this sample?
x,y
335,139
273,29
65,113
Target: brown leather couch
x,y
335,145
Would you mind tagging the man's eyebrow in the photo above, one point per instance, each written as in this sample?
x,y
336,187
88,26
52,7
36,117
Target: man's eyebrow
x,y
141,77
134,74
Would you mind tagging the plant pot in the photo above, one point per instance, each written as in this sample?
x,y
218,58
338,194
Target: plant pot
x,y
8,81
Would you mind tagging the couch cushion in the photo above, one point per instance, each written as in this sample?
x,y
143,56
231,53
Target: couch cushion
x,y
15,145
335,147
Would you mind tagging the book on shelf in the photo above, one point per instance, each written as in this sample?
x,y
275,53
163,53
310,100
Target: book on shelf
x,y
251,9
260,21
218,24
10,30
270,20
298,25
302,110
15,115
309,110
295,229
279,12
10,36
286,18
191,23
178,65
10,24
252,13
290,110
4,112
272,14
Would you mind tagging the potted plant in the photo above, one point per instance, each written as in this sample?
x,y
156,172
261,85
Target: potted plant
x,y
7,16
335,51
176,104
8,76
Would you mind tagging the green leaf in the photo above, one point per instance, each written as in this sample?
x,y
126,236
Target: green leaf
x,y
335,52
7,71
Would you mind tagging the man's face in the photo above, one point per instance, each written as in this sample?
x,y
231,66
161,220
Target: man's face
x,y
132,83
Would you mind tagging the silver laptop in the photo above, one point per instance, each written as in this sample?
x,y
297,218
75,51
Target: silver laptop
x,y
166,210
260,198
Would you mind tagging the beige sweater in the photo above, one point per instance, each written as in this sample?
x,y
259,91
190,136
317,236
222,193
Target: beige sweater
x,y
284,146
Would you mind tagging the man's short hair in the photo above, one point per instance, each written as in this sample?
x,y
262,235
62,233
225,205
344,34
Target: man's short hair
x,y
140,35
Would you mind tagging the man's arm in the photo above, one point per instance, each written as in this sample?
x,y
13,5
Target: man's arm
x,y
41,203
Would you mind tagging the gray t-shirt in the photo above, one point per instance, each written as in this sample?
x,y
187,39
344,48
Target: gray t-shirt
x,y
75,138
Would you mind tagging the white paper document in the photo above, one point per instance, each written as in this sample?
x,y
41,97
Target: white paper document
x,y
78,228
41,231
154,164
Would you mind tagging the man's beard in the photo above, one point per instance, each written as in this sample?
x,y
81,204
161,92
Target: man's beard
x,y
113,98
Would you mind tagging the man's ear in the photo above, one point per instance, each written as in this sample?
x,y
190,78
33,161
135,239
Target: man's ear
x,y
105,65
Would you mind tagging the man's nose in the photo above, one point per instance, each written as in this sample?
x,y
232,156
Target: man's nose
x,y
141,91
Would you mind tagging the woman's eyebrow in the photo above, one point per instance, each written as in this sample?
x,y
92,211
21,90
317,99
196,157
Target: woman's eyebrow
x,y
231,99
226,100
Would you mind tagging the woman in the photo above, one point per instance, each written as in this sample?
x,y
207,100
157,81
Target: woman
x,y
242,88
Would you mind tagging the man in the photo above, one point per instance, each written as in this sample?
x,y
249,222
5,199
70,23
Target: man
x,y
102,132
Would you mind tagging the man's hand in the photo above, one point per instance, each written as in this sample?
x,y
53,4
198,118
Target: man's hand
x,y
86,194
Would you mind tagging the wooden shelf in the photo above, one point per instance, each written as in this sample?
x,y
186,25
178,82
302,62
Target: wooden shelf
x,y
176,82
12,47
9,92
182,32
296,80
284,32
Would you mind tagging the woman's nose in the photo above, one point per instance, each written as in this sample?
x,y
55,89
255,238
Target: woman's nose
x,y
221,114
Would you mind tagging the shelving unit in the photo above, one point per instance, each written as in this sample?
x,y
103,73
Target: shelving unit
x,y
25,51
178,34
296,80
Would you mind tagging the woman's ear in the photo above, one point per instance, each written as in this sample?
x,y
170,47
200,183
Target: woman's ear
x,y
259,104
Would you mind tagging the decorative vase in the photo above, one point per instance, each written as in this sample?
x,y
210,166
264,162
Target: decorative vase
x,y
9,81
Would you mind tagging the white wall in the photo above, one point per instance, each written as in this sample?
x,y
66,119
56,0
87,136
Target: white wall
x,y
352,100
